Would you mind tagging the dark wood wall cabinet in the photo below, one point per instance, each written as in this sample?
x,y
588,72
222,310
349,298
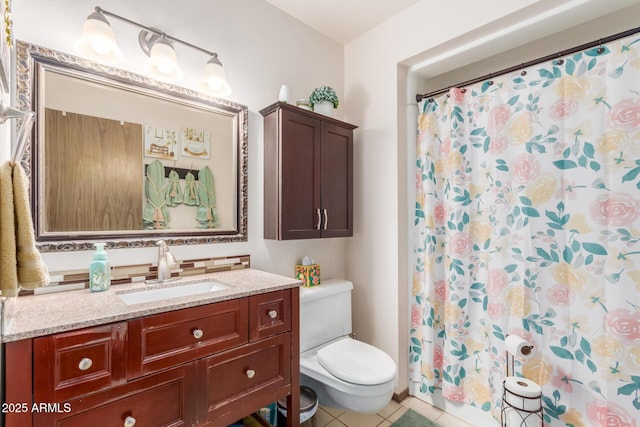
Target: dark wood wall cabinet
x,y
308,174
209,365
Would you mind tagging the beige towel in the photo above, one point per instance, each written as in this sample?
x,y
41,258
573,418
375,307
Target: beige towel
x,y
8,263
32,272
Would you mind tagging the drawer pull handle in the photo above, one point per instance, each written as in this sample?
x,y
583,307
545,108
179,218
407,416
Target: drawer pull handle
x,y
85,364
197,333
319,219
250,373
129,421
273,314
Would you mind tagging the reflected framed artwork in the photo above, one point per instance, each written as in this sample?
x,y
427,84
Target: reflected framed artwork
x,y
160,143
196,143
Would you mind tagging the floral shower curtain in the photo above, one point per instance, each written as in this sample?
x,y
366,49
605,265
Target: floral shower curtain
x,y
527,222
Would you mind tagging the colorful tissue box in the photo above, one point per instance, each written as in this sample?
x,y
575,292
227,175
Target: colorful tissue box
x,y
309,274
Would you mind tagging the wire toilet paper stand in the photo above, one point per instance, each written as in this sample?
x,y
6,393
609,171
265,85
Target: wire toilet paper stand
x,y
526,407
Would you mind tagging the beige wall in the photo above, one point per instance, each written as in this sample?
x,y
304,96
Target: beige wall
x,y
260,47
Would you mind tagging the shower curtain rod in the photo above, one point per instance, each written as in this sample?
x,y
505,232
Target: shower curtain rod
x,y
570,51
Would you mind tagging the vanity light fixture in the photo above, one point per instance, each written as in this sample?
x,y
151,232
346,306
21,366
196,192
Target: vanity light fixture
x,y
214,78
98,43
162,63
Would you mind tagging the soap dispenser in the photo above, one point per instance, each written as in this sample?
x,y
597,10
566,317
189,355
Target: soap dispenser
x,y
99,270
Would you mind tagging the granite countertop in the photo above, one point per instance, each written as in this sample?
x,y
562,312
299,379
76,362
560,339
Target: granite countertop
x,y
33,316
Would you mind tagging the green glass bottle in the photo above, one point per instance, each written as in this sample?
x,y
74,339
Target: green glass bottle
x,y
99,270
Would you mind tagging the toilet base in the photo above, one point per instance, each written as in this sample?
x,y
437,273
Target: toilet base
x,y
333,398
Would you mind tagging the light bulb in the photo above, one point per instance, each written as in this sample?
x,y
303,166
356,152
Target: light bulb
x,y
163,56
214,79
97,41
163,63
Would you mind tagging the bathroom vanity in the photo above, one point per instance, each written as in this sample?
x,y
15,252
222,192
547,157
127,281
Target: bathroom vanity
x,y
200,360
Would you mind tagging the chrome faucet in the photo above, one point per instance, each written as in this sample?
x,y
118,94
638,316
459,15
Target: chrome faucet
x,y
165,261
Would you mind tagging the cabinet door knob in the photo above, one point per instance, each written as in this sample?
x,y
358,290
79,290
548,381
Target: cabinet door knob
x,y
326,219
197,333
129,421
250,373
85,364
273,314
319,219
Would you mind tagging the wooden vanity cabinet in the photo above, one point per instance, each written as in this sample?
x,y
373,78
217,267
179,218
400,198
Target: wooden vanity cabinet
x,y
308,174
270,314
181,336
72,364
208,365
163,399
244,379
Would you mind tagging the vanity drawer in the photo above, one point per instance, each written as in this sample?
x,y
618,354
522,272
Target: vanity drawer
x,y
164,340
158,400
242,380
72,364
270,314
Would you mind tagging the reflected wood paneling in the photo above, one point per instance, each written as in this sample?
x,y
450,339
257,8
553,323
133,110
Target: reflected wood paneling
x,y
77,173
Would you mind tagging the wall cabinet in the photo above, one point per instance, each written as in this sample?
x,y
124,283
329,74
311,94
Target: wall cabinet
x,y
202,366
308,174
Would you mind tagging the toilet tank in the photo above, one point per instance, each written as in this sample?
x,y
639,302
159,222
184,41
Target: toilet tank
x,y
325,312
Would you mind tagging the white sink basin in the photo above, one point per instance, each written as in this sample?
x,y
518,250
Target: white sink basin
x,y
169,292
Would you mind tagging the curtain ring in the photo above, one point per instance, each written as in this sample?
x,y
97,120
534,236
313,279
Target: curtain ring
x,y
523,72
600,49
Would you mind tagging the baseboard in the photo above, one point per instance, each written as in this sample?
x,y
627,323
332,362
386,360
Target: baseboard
x,y
399,397
470,414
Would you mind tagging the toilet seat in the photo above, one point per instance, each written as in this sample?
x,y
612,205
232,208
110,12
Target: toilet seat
x,y
357,362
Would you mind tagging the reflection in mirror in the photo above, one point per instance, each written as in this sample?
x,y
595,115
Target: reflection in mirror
x,y
124,159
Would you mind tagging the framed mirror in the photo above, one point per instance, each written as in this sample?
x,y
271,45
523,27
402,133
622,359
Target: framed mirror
x,y
124,159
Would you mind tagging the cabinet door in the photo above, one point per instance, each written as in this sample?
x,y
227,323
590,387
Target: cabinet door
x,y
241,381
300,176
163,399
269,314
76,363
337,181
164,340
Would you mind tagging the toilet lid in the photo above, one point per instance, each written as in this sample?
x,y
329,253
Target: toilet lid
x,y
357,362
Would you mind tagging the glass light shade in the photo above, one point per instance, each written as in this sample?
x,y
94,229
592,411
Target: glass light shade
x,y
98,42
163,63
214,79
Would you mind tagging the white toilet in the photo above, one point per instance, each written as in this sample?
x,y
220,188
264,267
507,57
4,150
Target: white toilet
x,y
343,372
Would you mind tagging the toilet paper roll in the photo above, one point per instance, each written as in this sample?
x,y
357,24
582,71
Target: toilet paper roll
x,y
522,393
519,347
523,401
517,418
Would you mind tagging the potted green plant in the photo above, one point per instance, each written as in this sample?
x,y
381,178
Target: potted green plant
x,y
323,100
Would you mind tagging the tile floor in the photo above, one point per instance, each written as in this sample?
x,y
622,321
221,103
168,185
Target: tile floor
x,y
331,417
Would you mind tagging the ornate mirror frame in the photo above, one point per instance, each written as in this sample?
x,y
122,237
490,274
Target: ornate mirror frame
x,y
32,61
